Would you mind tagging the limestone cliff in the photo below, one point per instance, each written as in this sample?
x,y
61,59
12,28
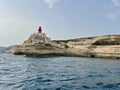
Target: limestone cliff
x,y
39,45
101,46
37,38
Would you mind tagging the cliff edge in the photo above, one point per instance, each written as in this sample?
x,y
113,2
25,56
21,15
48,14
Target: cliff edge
x,y
38,44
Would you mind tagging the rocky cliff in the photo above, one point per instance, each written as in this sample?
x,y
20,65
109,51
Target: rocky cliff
x,y
39,45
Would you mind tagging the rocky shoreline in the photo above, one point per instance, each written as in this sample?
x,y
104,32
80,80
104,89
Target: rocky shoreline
x,y
38,45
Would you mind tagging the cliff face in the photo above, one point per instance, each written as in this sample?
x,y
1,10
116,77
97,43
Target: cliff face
x,y
39,45
108,40
101,46
12,49
37,38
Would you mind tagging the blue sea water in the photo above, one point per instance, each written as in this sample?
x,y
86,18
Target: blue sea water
x,y
58,73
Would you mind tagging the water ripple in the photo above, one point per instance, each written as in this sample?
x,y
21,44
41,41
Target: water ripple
x,y
60,73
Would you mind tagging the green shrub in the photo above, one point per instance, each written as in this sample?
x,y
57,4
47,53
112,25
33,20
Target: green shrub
x,y
66,46
48,45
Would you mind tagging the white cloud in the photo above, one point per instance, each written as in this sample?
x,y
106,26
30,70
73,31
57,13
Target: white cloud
x,y
116,2
51,3
114,12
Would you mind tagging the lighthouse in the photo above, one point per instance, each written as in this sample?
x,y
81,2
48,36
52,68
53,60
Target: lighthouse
x,y
40,30
38,38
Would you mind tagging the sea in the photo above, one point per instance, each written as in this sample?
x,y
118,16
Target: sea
x,y
58,73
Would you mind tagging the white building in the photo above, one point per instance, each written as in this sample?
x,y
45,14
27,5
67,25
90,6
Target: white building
x,y
40,38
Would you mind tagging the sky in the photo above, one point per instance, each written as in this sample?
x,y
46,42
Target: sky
x,y
60,19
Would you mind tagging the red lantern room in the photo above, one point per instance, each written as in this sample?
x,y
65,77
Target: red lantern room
x,y
40,30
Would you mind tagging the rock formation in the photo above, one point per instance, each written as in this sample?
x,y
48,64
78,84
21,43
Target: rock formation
x,y
37,38
39,45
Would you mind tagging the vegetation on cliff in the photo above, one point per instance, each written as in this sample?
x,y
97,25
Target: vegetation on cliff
x,y
101,46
